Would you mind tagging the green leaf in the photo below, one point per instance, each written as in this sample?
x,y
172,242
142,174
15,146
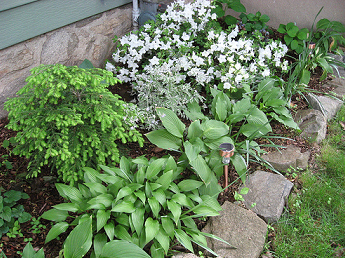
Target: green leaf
x,y
305,77
194,130
124,192
237,7
69,192
55,215
24,217
182,199
122,233
214,129
240,166
138,219
171,122
163,239
163,139
72,207
160,196
175,210
124,206
86,64
168,226
184,239
98,243
191,152
110,229
79,241
122,249
189,185
125,169
102,218
324,64
201,168
56,230
102,200
155,206
151,229
165,179
154,168
292,31
281,29
294,44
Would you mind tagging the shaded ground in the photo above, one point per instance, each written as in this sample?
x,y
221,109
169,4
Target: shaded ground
x,y
43,194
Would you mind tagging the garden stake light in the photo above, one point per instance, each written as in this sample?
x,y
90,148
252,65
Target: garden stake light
x,y
226,151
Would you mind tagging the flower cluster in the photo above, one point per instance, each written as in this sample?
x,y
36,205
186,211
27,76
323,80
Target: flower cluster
x,y
186,43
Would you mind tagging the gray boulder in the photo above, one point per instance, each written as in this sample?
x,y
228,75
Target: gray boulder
x,y
241,228
312,123
291,157
269,193
328,106
339,85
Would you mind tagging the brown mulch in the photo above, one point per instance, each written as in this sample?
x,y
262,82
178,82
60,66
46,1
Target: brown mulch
x,y
43,194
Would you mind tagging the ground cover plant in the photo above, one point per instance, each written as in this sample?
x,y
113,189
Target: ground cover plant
x,y
315,223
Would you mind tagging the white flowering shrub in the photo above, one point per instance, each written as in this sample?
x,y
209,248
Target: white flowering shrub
x,y
185,49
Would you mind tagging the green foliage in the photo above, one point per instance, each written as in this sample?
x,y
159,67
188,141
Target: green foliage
x,y
140,202
294,37
4,162
252,22
29,252
228,4
11,213
67,118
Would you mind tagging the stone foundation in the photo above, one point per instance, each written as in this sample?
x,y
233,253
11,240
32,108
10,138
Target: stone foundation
x,y
91,38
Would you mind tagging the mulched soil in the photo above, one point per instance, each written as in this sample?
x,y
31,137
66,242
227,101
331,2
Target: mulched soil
x,y
43,194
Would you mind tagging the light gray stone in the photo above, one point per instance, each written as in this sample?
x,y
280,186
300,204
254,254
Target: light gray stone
x,y
291,157
328,106
269,192
241,228
339,85
312,123
339,71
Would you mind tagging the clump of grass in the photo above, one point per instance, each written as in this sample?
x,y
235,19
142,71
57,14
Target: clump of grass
x,y
315,223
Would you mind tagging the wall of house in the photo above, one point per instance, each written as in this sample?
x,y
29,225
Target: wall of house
x,y
302,12
90,38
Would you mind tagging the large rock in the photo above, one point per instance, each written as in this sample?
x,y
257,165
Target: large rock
x,y
269,193
241,228
288,158
312,123
185,255
339,71
328,106
339,85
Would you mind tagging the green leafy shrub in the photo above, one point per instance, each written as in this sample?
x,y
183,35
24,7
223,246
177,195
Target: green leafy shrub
x,y
199,146
10,211
222,5
252,22
67,118
294,37
140,202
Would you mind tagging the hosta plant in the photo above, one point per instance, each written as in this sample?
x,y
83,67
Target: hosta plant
x,y
67,118
143,202
198,145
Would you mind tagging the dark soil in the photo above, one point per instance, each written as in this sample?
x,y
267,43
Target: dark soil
x,y
43,194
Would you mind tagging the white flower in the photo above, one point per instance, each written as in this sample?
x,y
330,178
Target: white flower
x,y
211,35
110,67
266,73
227,86
222,58
154,61
185,36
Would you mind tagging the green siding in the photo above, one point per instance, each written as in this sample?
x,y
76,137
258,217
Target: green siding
x,y
32,18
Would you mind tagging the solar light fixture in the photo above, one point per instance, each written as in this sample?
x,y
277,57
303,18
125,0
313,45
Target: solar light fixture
x,y
226,151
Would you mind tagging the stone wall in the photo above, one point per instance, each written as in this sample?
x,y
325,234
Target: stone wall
x,y
90,38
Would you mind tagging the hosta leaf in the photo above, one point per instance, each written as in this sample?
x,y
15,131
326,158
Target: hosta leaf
x,y
96,188
154,168
191,151
157,250
214,129
110,230
56,230
122,233
163,139
98,243
90,175
168,226
151,229
138,219
79,241
189,185
122,249
69,192
175,210
171,122
194,130
184,239
141,196
125,169
108,170
125,206
240,166
124,192
55,215
102,200
163,239
160,196
155,206
203,210
201,168
72,207
182,199
102,218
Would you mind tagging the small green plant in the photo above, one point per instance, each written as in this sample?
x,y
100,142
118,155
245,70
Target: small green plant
x,y
15,230
138,202
294,37
239,196
253,22
11,213
29,252
67,118
5,162
228,4
36,225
